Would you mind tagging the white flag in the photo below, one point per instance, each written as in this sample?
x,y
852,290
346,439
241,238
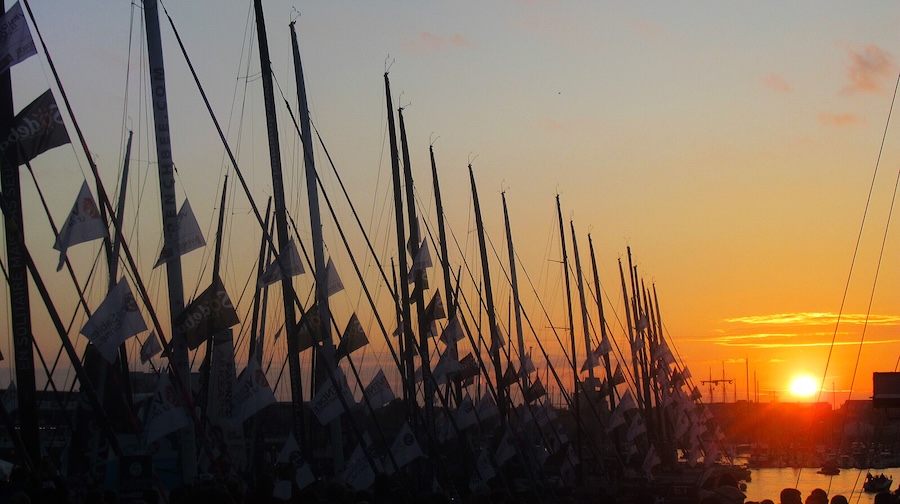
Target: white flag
x,y
326,404
453,332
636,428
189,236
487,408
83,224
448,363
292,264
358,473
117,319
11,398
150,347
406,448
16,44
465,415
167,414
333,282
507,448
379,391
252,393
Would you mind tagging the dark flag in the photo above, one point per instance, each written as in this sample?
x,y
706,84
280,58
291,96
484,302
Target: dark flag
x,y
510,377
353,339
468,368
535,391
37,128
308,328
211,312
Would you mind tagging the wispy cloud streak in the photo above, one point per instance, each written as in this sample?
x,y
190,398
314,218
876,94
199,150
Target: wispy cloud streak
x,y
817,318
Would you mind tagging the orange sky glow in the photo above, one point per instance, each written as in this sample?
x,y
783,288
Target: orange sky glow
x,y
731,147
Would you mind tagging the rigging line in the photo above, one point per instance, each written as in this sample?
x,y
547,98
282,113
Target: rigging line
x,y
859,235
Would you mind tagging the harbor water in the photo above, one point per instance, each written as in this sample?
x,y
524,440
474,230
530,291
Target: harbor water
x,y
767,483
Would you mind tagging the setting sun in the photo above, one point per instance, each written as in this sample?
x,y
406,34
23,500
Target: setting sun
x,y
804,386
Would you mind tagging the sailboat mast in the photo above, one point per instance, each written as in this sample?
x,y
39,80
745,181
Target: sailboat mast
x,y
170,220
20,308
281,228
418,278
514,283
576,402
494,349
581,297
603,335
406,326
315,225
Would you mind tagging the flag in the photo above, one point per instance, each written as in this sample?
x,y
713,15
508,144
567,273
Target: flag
x,y
36,129
636,428
448,363
358,473
435,309
16,44
421,261
465,414
686,373
604,347
592,361
535,391
292,265
453,332
468,367
150,347
209,313
378,391
650,461
506,449
333,283
189,236
662,352
497,340
252,393
290,452
308,328
353,339
11,398
487,408
116,319
643,323
509,377
618,377
326,404
696,394
167,414
406,448
483,467
528,364
83,224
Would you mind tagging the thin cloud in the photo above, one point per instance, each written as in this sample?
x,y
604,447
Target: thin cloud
x,y
867,69
840,120
817,318
805,345
429,43
777,83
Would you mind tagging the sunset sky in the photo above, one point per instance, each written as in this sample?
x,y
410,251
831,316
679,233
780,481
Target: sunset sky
x,y
731,145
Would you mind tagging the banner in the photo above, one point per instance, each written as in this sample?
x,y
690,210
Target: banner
x,y
83,224
36,129
189,236
326,404
117,319
210,313
16,44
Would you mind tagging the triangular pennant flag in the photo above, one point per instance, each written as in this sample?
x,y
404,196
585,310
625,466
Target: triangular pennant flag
x,y
421,261
636,428
509,377
379,391
326,404
210,313
292,264
535,391
506,450
16,45
37,128
592,361
604,347
189,236
150,347
252,393
487,408
406,448
618,377
166,411
83,224
116,319
468,367
290,452
358,473
353,339
497,339
650,461
435,309
448,363
465,414
11,398
333,283
528,364
308,328
453,332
